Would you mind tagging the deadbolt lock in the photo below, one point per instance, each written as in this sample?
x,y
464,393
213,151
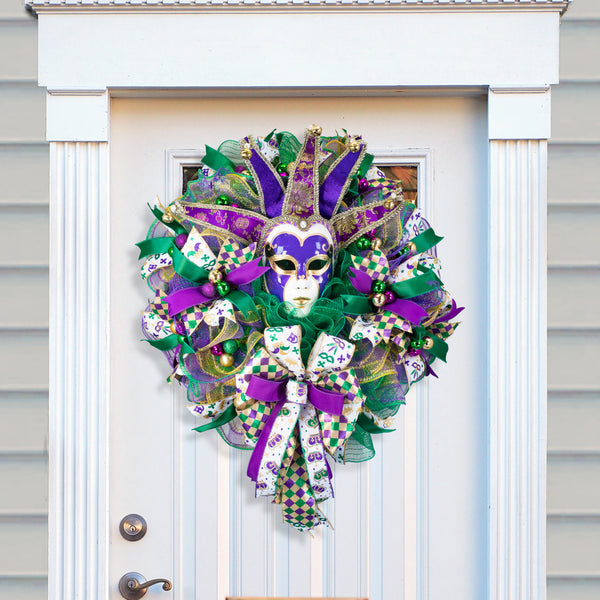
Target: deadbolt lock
x,y
133,527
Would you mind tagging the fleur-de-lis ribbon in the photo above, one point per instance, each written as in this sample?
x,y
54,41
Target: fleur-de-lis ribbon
x,y
296,414
238,268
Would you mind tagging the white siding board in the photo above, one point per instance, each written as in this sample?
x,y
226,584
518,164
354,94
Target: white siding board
x,y
27,304
573,359
573,484
25,361
573,173
569,286
14,9
575,112
24,588
573,546
580,588
24,489
580,51
583,9
23,551
22,112
18,50
24,173
24,241
23,422
574,422
573,236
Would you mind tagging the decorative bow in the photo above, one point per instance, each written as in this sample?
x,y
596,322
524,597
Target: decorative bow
x,y
234,266
293,415
428,342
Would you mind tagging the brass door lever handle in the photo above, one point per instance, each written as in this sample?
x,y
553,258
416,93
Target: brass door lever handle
x,y
132,585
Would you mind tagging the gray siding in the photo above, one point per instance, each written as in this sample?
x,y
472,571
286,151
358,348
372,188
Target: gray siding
x,y
23,311
573,317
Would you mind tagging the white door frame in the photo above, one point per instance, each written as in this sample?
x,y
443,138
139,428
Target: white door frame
x,y
507,49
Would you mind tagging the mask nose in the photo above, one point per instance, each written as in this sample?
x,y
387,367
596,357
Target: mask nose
x,y
301,274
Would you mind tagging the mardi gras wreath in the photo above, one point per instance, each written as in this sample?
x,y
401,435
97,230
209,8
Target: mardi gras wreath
x,y
297,297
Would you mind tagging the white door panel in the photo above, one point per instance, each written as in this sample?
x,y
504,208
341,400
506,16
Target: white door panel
x,y
412,520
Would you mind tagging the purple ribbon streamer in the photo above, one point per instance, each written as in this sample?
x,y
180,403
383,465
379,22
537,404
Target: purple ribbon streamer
x,y
407,309
246,273
183,299
454,312
267,390
361,281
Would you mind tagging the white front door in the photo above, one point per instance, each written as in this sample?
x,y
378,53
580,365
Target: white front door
x,y
411,521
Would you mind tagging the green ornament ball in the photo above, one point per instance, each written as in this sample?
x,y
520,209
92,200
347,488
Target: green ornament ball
x,y
223,288
418,344
379,286
223,201
363,243
230,346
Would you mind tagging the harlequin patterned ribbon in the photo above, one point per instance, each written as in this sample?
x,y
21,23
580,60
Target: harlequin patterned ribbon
x,y
277,400
239,269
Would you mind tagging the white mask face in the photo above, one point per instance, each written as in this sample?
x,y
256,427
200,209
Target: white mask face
x,y
301,264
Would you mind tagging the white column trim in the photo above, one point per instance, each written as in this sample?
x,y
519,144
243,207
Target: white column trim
x,y
77,116
517,369
77,515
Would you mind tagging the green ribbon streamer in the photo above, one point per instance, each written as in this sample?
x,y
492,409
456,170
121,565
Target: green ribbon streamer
x,y
439,348
170,342
154,246
242,301
288,145
174,225
356,305
216,160
186,268
222,419
421,284
365,165
369,426
426,240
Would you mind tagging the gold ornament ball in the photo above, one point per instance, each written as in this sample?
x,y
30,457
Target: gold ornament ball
x,y
173,328
246,153
215,275
427,343
411,247
316,130
226,360
354,145
376,244
378,299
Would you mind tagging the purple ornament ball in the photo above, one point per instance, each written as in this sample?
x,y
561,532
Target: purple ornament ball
x,y
180,240
208,290
389,297
363,185
216,350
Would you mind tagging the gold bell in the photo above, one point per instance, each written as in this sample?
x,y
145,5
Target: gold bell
x,y
427,343
167,216
246,153
226,360
378,300
316,130
354,145
376,244
389,205
215,275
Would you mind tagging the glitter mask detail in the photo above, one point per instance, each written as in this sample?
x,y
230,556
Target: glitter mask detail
x,y
301,264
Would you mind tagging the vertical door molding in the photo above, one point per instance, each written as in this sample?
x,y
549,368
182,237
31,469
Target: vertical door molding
x,y
78,533
517,349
